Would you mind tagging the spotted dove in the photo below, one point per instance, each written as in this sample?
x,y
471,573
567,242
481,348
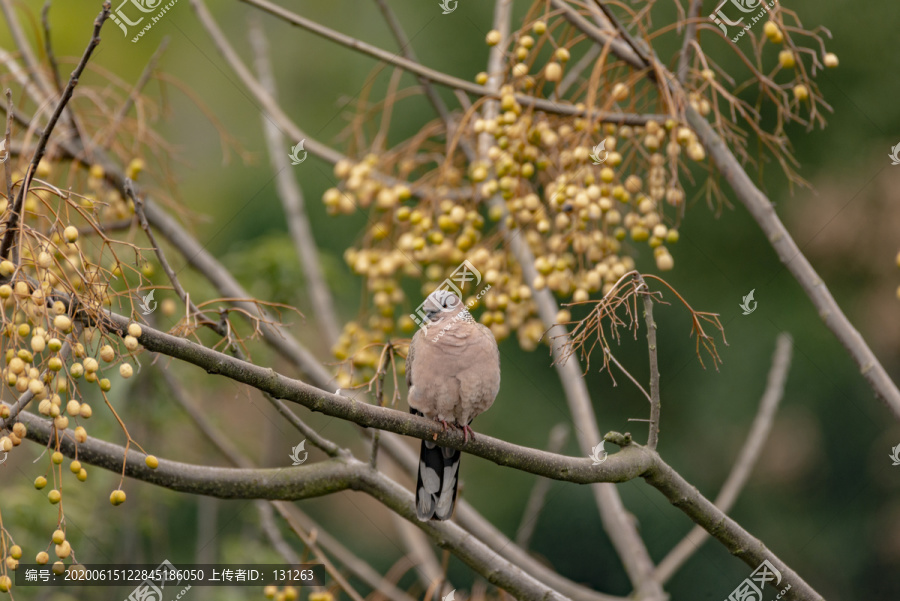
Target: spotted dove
x,y
453,374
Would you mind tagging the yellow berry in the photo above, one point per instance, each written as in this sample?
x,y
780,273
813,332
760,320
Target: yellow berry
x,y
42,558
492,38
15,552
63,549
117,497
7,268
151,461
553,72
135,330
82,475
54,496
5,583
620,92
107,353
71,233
135,167
664,261
40,482
831,60
75,467
57,457
539,27
801,92
58,537
126,371
786,59
131,343
86,410
562,55
62,323
105,385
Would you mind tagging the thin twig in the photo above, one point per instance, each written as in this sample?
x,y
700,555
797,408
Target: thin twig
x,y
6,154
690,33
642,289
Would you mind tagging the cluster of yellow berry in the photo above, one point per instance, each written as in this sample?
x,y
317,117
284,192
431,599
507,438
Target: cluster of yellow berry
x,y
584,193
52,262
577,190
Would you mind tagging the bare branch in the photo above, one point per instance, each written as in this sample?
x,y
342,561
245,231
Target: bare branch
x,y
690,33
763,212
469,518
436,76
738,541
644,291
618,525
743,465
292,200
301,482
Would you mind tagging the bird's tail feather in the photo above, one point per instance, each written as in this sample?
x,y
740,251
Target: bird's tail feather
x,y
437,481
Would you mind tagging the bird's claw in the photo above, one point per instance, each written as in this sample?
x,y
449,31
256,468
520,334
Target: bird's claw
x,y
467,430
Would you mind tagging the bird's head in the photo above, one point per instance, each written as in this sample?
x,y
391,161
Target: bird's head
x,y
441,305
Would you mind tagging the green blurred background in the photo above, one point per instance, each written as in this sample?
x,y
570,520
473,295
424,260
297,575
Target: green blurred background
x,y
824,495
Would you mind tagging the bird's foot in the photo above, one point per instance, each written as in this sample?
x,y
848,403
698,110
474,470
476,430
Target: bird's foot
x,y
467,430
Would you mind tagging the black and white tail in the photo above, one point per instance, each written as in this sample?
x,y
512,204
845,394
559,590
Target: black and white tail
x,y
437,481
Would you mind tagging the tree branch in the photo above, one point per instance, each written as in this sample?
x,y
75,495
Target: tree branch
x,y
292,200
542,104
738,541
743,466
301,482
763,211
653,438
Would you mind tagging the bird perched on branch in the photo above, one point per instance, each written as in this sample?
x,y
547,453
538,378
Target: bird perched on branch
x,y
453,374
